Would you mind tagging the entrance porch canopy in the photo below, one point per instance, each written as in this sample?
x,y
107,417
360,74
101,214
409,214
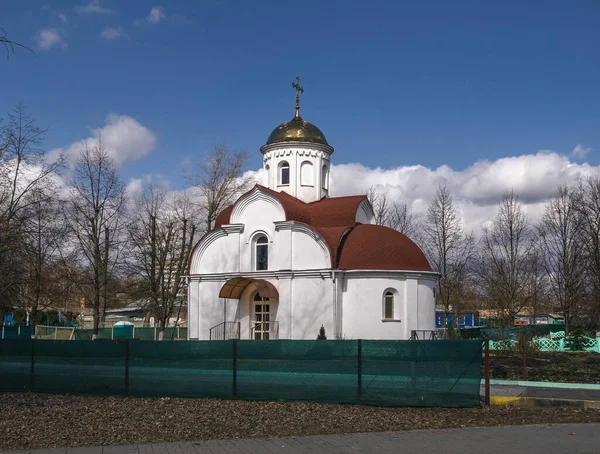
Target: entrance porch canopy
x,y
234,287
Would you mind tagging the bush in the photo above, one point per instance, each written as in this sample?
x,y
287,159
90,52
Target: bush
x,y
322,335
51,317
577,340
19,317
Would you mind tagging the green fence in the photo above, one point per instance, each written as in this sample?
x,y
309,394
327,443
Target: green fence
x,y
387,373
129,332
496,334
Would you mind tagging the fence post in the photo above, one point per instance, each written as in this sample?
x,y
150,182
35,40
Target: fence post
x,y
486,371
234,366
359,369
524,374
127,367
32,372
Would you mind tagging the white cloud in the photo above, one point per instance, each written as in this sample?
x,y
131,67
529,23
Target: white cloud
x,y
157,14
580,151
123,137
113,33
477,189
63,18
49,37
93,7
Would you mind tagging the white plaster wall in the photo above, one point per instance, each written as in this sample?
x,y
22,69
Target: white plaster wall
x,y
362,315
304,305
295,156
307,252
312,306
206,309
220,256
426,304
259,212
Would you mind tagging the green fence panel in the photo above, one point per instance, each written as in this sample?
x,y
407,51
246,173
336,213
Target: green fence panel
x,y
86,334
144,333
15,364
83,367
386,373
183,369
422,373
297,370
122,332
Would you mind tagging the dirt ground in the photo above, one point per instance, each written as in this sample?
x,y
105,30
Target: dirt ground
x,y
30,421
568,367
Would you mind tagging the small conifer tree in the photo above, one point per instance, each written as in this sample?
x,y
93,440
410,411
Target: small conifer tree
x,y
322,335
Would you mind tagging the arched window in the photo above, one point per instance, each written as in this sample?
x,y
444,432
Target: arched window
x,y
268,175
262,253
388,306
306,174
325,177
284,174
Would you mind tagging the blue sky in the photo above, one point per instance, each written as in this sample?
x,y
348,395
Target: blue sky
x,y
390,83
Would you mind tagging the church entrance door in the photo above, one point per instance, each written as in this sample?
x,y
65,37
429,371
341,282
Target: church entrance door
x,y
262,318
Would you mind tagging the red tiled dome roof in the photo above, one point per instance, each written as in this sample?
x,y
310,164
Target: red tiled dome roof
x,y
369,247
374,247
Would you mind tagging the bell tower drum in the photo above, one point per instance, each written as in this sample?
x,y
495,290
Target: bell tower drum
x,y
296,157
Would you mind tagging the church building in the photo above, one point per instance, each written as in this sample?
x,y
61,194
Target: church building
x,y
286,258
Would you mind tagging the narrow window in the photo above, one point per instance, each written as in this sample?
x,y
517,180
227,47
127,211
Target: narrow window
x,y
284,176
262,253
388,306
325,177
268,175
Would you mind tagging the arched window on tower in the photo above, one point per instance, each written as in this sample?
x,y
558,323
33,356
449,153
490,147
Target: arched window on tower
x,y
284,174
388,306
306,174
325,177
268,175
261,253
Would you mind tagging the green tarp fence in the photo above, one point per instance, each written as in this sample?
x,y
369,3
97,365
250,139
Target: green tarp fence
x,y
445,373
495,334
15,332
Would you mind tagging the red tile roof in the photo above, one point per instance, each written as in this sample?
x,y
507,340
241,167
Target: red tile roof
x,y
365,247
374,247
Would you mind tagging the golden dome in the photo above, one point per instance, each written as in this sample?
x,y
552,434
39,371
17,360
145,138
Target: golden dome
x,y
297,130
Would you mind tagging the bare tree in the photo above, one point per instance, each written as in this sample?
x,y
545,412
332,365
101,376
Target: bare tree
x,y
449,250
587,205
93,214
388,213
44,234
560,234
220,178
161,235
23,172
505,258
10,45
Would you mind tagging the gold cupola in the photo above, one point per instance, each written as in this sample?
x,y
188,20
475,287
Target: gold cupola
x,y
297,129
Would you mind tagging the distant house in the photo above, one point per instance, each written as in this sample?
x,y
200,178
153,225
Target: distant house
x,y
466,320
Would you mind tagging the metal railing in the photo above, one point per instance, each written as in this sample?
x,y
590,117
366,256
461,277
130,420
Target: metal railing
x,y
225,331
265,330
427,334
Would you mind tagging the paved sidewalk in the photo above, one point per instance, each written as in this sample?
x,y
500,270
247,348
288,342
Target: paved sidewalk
x,y
549,439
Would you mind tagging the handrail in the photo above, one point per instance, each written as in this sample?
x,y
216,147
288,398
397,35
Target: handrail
x,y
225,331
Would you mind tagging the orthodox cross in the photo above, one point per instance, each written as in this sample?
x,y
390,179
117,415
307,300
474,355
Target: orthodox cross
x,y
299,90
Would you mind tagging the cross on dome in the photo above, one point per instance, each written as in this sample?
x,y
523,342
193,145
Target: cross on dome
x,y
299,90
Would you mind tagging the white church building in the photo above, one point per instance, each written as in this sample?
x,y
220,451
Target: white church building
x,y
286,258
